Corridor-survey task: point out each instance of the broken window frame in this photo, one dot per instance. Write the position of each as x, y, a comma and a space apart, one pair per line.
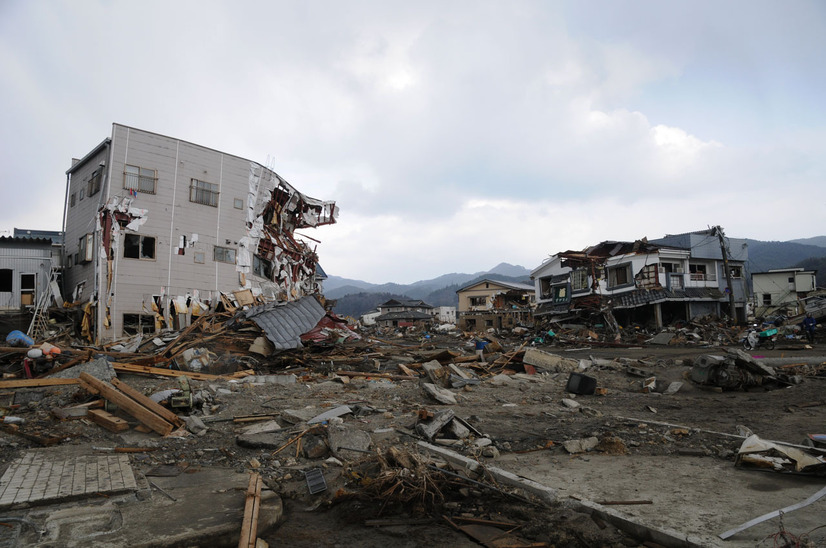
137, 323
139, 179
141, 244
222, 254
579, 280
617, 281
736, 271
261, 267
767, 299
204, 193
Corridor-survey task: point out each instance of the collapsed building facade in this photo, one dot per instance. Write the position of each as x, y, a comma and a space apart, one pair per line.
160, 230
656, 282
494, 304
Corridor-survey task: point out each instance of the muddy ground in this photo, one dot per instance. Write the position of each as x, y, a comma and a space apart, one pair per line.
524, 417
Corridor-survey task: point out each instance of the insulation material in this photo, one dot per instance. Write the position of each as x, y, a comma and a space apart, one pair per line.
180, 304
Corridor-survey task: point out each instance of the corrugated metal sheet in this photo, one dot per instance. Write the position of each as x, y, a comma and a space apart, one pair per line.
284, 323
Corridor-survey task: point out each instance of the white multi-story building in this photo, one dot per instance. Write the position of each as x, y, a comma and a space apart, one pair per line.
159, 230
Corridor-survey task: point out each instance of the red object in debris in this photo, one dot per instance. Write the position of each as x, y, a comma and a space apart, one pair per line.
321, 332
27, 362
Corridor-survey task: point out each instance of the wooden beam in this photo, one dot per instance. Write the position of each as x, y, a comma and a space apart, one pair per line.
128, 405
249, 527
153, 406
28, 383
147, 370
107, 420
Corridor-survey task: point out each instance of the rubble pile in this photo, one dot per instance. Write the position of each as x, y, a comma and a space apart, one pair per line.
327, 416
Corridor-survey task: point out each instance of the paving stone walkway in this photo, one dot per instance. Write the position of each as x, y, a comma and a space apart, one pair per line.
35, 477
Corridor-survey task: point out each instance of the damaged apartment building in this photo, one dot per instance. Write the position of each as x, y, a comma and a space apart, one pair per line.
159, 231
657, 282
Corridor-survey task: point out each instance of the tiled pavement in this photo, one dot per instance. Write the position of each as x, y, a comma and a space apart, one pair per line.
37, 478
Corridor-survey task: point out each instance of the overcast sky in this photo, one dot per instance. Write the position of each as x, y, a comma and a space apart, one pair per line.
453, 135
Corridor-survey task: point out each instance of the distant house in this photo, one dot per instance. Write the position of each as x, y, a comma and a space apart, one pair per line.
677, 277
26, 265
782, 289
494, 304
404, 313
445, 314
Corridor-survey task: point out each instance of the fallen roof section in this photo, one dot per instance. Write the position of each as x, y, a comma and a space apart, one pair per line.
284, 323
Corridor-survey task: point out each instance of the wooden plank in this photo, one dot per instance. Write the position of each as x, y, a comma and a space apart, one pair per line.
148, 370
128, 405
249, 526
29, 383
108, 420
156, 408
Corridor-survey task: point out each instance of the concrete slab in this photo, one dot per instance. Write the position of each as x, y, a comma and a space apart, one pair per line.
695, 496
40, 477
207, 510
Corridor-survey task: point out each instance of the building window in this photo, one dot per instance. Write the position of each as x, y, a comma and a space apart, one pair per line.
73, 199
224, 255
579, 280
238, 203
699, 273
203, 193
94, 182
619, 276
736, 271
136, 246
86, 247
261, 267
81, 195
139, 179
478, 301
134, 324
488, 323
767, 299
69, 261
675, 281
791, 282
544, 288
6, 280
199, 257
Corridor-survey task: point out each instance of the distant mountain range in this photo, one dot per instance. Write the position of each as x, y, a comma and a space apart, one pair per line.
355, 297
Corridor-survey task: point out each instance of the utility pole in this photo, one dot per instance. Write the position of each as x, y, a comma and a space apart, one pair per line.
723, 250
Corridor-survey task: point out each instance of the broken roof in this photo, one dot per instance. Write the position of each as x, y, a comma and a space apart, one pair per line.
284, 323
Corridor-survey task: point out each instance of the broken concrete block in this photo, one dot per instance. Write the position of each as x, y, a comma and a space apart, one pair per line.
195, 425
500, 380
348, 443
265, 427
314, 447
549, 361
570, 404
268, 440
673, 388
581, 445
441, 395
327, 415
457, 430
435, 425
294, 416
483, 442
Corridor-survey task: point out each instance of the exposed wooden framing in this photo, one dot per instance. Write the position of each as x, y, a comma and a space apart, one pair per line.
252, 505
128, 405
